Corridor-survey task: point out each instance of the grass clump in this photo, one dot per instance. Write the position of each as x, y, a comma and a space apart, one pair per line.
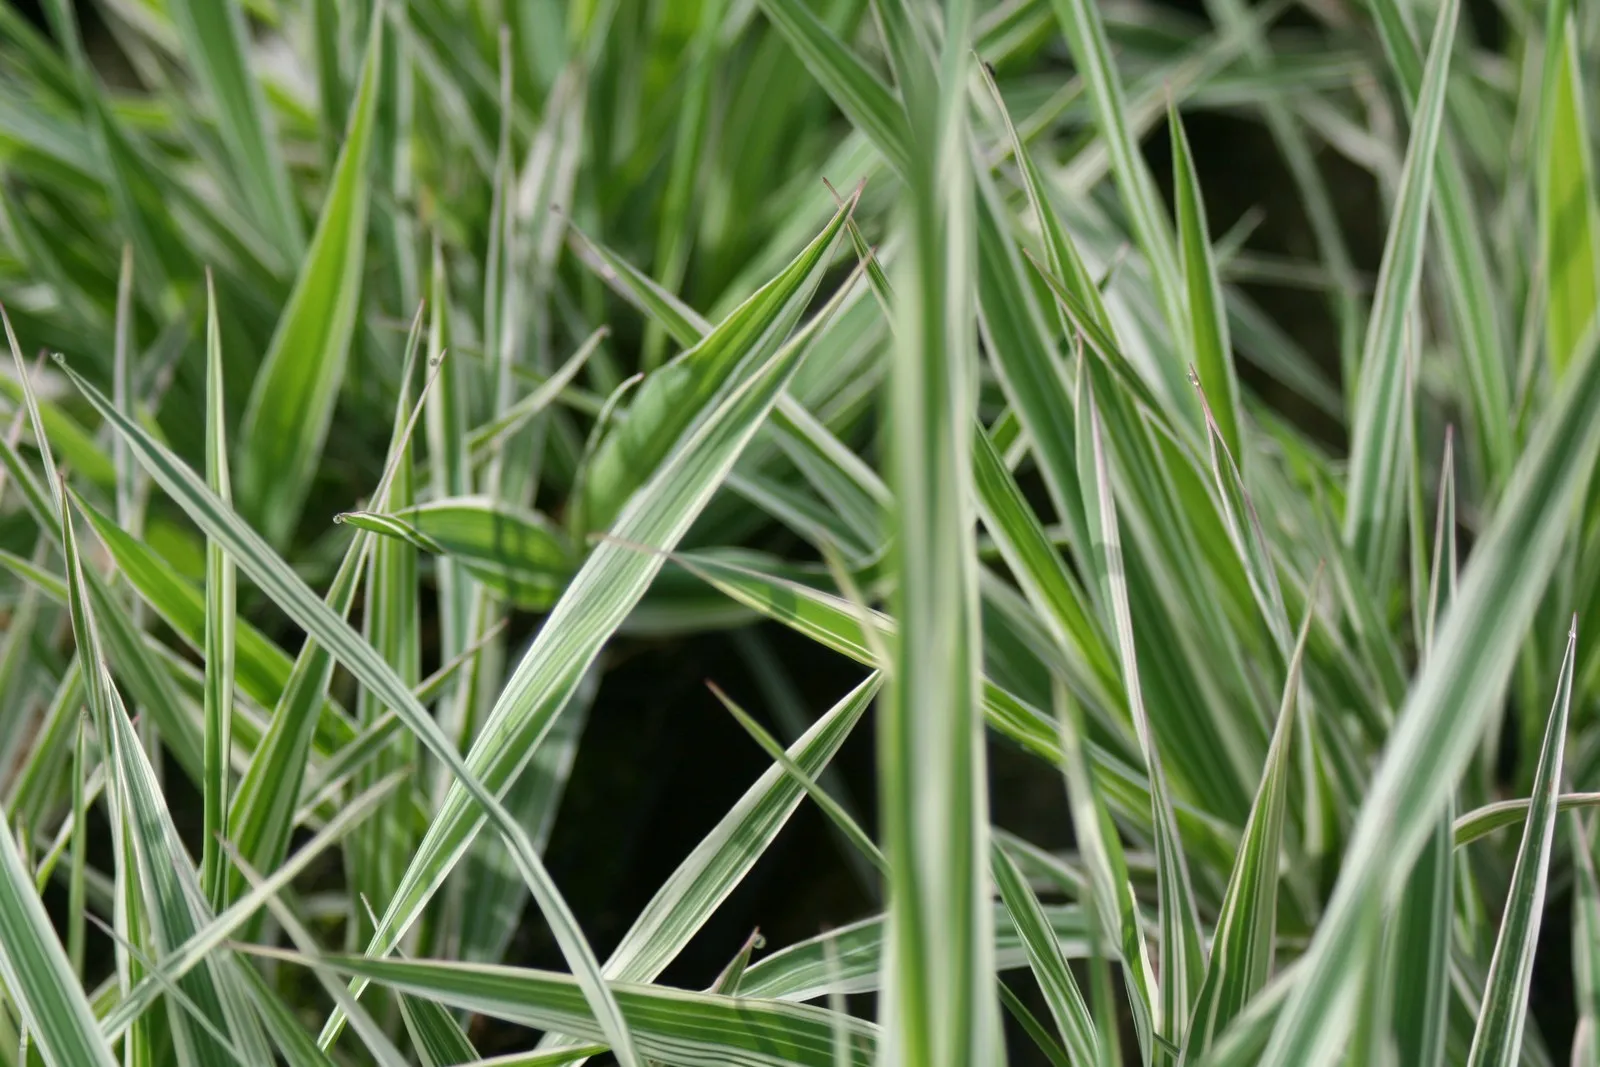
413, 359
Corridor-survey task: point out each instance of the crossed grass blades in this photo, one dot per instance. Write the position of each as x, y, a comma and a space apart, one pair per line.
559, 311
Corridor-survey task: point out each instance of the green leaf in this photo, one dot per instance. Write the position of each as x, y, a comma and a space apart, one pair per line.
149, 681
839, 625
163, 879
486, 439
376, 1039
685, 325
1481, 822
1497, 1041
842, 820
76, 890
206, 940
438, 1039
671, 399
671, 1025
865, 100
1044, 577
1091, 52
937, 1004
1444, 716
1049, 963
262, 669
77, 446
494, 897
849, 959
1473, 303
129, 504
36, 421
38, 978
392, 624
263, 810
287, 590
726, 854
293, 396
221, 612
1208, 343
298, 1049
1243, 945
1182, 958
1442, 572
450, 471
1374, 510
597, 600
1250, 544
517, 553
1115, 917
136, 190
1566, 198
1420, 953
1585, 942
214, 42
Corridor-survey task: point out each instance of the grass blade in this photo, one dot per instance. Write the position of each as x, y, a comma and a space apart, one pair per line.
842, 820
195, 951
80, 848
38, 977
1445, 713
596, 602
438, 1040
1566, 195
1182, 959
865, 100
938, 1004
1242, 949
298, 1049
262, 670
377, 1041
122, 393
1045, 578
1047, 960
214, 38
495, 897
1208, 343
40, 439
1497, 1041
484, 440
849, 958
1420, 954
1473, 304
672, 1025
263, 812
670, 399
219, 628
1481, 822
517, 553
1374, 509
169, 891
1086, 36
293, 396
392, 622
449, 467
289, 591
725, 855
1585, 939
